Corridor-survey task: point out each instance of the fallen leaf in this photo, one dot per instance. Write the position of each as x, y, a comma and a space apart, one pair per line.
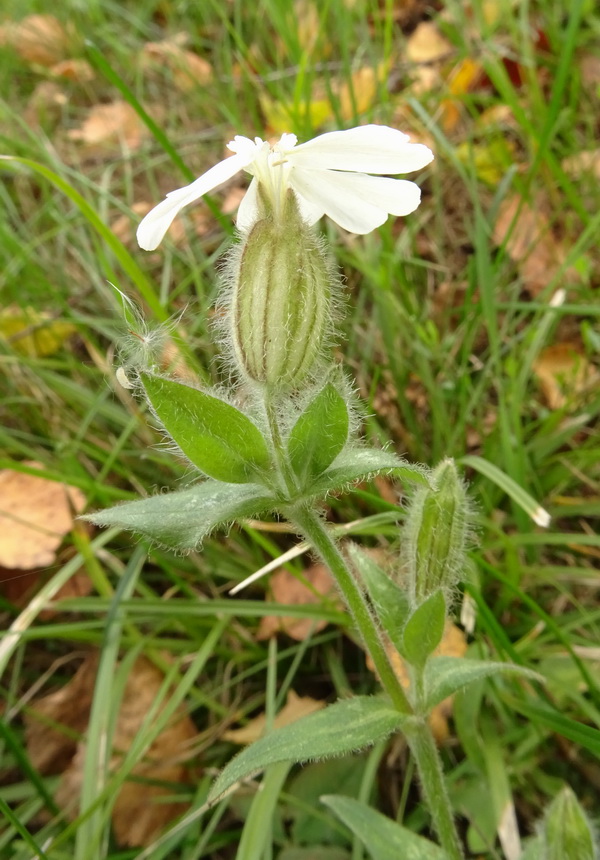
491, 159
589, 65
294, 708
45, 105
35, 515
55, 736
78, 71
108, 126
453, 644
586, 161
427, 45
188, 70
564, 374
308, 25
350, 98
531, 244
288, 589
463, 79
33, 333
37, 39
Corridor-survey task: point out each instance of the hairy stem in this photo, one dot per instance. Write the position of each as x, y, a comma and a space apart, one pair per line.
434, 789
309, 524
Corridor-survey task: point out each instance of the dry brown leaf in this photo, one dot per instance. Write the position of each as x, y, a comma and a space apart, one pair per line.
564, 374
453, 644
295, 708
188, 70
427, 45
140, 812
589, 65
308, 24
108, 126
530, 243
587, 161
79, 71
45, 104
39, 39
463, 79
35, 515
286, 588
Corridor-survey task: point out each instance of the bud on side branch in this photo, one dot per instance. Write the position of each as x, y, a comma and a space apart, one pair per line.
435, 534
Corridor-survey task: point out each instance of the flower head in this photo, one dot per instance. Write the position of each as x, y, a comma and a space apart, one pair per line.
329, 176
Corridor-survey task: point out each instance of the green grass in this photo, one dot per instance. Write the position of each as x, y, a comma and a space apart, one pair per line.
442, 337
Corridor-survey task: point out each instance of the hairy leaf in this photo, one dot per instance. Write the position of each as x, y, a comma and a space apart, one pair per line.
383, 838
319, 434
360, 464
216, 436
424, 629
344, 727
181, 520
445, 675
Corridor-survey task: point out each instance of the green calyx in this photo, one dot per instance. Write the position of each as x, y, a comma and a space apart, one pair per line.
435, 534
280, 303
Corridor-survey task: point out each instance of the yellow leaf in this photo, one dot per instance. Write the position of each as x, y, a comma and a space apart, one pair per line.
491, 160
32, 333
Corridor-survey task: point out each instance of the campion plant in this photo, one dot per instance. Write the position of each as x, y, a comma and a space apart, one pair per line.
283, 435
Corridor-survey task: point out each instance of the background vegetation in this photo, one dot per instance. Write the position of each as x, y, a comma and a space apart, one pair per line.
471, 333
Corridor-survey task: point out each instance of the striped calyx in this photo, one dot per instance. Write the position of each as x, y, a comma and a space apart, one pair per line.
279, 308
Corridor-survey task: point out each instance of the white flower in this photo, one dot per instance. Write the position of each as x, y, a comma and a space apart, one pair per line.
329, 175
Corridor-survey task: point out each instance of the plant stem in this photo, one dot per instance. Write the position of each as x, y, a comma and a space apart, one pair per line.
418, 733
280, 453
429, 766
309, 524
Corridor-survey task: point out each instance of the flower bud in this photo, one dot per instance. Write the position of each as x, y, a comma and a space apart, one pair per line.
279, 310
435, 534
567, 833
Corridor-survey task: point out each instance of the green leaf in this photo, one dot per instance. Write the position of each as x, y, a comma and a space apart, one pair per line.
445, 675
319, 434
389, 601
341, 728
424, 630
361, 464
214, 435
383, 838
181, 520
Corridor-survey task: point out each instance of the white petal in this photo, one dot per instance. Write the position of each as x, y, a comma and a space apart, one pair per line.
248, 210
153, 227
309, 210
368, 149
357, 202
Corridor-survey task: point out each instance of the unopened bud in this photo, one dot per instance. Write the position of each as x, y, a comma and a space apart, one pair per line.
435, 534
567, 832
279, 311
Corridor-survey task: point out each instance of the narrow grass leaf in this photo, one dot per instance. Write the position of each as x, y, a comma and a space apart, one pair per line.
383, 838
126, 261
25, 835
181, 520
364, 719
538, 514
585, 736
